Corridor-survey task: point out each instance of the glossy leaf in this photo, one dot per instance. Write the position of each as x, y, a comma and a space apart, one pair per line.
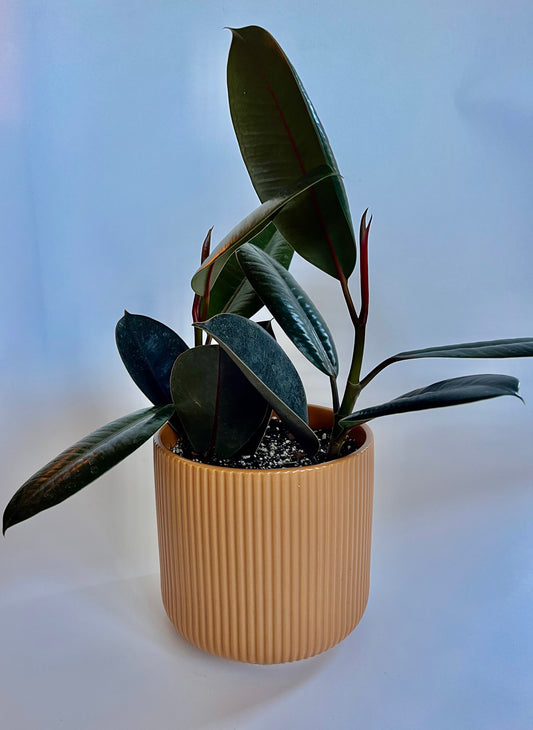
456, 391
517, 347
84, 462
268, 368
251, 226
291, 307
250, 447
148, 349
281, 138
232, 292
218, 408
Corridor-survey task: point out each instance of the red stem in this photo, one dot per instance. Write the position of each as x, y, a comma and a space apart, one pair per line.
363, 267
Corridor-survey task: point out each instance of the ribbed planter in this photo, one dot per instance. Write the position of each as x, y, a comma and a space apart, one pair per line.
265, 566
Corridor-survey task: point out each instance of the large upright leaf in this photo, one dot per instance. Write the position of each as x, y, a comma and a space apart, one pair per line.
84, 462
252, 225
281, 138
452, 392
148, 349
232, 292
268, 368
218, 408
291, 307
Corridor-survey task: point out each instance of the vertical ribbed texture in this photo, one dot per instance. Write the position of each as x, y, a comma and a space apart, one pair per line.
264, 566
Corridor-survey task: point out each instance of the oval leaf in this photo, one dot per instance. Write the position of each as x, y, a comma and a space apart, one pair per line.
291, 307
253, 224
84, 462
232, 293
218, 408
268, 368
452, 392
281, 138
148, 349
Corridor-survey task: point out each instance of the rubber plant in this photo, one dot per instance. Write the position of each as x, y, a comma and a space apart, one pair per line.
219, 394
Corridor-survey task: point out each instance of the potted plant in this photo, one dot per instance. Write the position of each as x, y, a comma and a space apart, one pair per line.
264, 505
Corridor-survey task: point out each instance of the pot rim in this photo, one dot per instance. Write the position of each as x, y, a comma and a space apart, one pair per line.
166, 435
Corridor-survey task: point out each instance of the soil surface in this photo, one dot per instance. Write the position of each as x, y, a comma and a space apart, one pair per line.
277, 450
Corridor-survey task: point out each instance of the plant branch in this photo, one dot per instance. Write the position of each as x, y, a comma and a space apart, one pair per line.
372, 374
348, 299
198, 337
363, 266
334, 394
353, 384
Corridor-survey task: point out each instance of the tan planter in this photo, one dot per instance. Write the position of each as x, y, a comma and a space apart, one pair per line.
265, 566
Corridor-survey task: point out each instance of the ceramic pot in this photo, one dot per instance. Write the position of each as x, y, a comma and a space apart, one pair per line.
265, 566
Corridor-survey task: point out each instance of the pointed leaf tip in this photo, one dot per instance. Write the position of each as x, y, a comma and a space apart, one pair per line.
206, 246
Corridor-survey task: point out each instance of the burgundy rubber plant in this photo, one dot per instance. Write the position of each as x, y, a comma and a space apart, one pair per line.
219, 395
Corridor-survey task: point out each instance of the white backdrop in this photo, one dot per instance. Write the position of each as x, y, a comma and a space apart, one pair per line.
117, 155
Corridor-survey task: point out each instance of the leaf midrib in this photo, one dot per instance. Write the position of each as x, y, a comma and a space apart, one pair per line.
78, 459
316, 206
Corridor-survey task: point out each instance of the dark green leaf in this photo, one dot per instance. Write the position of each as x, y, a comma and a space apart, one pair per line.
218, 408
232, 292
291, 307
466, 389
148, 349
269, 370
252, 225
517, 347
84, 462
281, 138
250, 447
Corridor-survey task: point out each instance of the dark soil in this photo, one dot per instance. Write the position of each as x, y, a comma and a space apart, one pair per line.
277, 450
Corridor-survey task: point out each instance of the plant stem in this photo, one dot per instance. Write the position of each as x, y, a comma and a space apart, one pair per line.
349, 301
372, 374
363, 266
334, 394
351, 392
353, 384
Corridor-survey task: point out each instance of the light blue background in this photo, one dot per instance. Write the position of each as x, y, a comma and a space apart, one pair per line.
117, 154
